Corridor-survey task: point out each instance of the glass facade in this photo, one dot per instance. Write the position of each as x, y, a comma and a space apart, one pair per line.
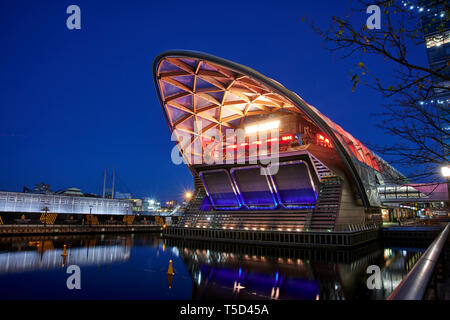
205, 97
436, 31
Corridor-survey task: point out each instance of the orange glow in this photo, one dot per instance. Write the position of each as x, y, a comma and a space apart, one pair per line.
287, 138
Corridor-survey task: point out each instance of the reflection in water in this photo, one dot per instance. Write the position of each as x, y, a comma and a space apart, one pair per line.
143, 266
45, 256
244, 272
397, 264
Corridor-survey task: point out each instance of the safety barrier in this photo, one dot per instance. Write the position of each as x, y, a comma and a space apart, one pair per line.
269, 237
69, 229
416, 281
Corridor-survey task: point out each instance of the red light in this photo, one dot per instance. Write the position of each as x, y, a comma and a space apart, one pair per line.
287, 138
326, 140
321, 137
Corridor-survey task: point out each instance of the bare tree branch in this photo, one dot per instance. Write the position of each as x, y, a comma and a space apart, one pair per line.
413, 115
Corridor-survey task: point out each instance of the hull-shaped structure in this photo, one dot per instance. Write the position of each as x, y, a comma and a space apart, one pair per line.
261, 157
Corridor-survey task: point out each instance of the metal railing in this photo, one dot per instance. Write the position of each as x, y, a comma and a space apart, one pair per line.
414, 285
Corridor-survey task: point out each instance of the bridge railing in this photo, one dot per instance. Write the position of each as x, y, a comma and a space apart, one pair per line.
414, 285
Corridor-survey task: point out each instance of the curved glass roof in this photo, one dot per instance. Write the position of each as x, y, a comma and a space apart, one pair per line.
200, 93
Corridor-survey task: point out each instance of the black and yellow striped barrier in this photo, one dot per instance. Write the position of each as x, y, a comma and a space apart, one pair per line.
159, 220
91, 219
128, 219
48, 218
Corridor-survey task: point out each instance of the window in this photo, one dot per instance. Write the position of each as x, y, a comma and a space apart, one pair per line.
437, 40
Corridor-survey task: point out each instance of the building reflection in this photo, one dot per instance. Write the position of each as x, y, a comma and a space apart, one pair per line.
221, 271
49, 253
241, 272
397, 263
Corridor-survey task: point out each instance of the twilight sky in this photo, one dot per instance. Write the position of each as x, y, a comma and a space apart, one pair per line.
73, 102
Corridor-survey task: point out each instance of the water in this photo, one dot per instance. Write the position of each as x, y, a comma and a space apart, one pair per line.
134, 266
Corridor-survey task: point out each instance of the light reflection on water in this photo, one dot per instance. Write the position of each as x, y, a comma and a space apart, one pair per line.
135, 267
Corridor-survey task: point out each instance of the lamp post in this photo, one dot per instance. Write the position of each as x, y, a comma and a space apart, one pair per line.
90, 215
45, 215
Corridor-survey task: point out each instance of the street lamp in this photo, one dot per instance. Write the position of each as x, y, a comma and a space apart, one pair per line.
90, 215
187, 198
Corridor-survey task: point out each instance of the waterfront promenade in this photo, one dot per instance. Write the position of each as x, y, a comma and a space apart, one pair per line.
76, 229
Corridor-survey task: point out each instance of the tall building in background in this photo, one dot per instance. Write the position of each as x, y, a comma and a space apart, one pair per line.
436, 30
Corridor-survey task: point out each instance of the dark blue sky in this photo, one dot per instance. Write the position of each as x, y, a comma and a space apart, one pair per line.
75, 101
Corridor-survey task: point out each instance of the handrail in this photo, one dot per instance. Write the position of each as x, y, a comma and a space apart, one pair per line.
413, 286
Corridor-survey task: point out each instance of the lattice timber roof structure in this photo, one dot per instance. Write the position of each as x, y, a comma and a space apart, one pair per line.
204, 97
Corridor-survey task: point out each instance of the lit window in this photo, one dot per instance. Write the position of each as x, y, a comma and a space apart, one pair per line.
437, 40
266, 126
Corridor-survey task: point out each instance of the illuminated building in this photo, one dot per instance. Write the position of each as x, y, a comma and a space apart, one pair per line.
151, 205
326, 178
436, 31
42, 188
17, 202
171, 203
137, 205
